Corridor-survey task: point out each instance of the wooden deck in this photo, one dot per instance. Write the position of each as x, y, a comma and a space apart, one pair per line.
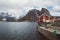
49, 33
50, 29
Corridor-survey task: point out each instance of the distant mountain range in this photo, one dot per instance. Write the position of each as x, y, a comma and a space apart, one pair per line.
32, 15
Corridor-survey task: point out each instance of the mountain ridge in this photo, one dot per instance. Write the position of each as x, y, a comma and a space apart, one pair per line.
31, 15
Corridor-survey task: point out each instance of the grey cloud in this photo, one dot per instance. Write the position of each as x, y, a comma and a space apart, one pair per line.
21, 7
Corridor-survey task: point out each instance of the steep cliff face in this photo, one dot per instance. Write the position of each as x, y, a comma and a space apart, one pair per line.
31, 15
44, 10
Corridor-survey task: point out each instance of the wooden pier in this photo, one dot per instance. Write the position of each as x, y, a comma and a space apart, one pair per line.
49, 33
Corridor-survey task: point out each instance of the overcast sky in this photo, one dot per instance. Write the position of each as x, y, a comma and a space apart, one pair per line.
21, 7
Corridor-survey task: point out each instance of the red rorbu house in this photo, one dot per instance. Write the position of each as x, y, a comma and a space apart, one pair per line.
46, 17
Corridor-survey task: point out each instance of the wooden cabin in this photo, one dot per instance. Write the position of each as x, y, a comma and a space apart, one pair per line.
46, 17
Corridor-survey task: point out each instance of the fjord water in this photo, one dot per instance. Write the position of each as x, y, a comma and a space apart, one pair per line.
19, 31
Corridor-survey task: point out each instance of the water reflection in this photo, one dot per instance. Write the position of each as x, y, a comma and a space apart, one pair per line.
19, 31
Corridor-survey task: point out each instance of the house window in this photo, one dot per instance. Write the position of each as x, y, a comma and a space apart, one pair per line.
43, 20
47, 21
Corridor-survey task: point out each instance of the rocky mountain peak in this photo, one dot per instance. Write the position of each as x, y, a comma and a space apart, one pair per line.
44, 10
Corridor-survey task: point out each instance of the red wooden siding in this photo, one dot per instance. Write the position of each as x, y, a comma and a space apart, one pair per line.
41, 18
46, 17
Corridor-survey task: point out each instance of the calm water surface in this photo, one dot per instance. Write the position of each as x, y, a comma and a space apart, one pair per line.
19, 31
